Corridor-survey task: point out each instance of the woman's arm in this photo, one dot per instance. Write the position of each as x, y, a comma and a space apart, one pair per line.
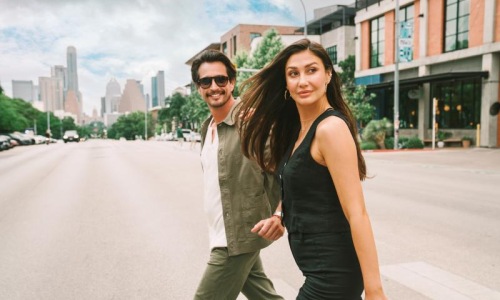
335, 148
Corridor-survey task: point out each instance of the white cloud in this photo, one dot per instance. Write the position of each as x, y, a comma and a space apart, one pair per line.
124, 39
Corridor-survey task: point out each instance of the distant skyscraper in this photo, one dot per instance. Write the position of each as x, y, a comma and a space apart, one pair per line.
23, 89
51, 93
132, 99
60, 72
72, 70
158, 90
72, 92
113, 95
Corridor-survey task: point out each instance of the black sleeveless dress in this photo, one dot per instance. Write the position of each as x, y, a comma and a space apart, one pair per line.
318, 231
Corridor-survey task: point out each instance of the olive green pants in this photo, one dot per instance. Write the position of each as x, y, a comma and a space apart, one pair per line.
226, 276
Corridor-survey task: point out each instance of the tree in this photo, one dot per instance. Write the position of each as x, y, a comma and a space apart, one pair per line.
130, 126
268, 48
355, 95
195, 110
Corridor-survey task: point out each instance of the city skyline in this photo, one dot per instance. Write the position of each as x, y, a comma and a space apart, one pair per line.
128, 39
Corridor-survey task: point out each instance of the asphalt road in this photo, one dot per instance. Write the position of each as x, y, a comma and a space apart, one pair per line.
124, 220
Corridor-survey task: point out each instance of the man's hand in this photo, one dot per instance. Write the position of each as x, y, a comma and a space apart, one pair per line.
270, 228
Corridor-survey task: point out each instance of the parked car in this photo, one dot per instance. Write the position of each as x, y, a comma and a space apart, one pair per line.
188, 135
71, 136
22, 139
5, 143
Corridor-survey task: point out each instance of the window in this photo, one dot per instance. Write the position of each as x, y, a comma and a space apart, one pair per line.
332, 52
459, 103
254, 35
224, 48
457, 25
377, 42
234, 45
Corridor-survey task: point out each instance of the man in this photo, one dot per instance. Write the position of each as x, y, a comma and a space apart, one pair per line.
180, 135
237, 194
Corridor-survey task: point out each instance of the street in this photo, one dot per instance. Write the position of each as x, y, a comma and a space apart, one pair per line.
109, 219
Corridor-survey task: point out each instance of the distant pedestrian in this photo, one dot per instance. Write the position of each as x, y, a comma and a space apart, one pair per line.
192, 137
180, 135
47, 136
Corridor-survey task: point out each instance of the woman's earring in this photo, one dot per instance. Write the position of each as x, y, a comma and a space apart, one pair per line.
285, 96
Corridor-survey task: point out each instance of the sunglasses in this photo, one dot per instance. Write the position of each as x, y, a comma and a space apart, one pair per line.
220, 80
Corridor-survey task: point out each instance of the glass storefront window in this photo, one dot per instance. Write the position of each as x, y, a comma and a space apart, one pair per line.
459, 103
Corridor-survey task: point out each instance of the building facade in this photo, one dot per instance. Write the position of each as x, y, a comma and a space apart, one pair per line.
158, 90
23, 89
240, 37
448, 63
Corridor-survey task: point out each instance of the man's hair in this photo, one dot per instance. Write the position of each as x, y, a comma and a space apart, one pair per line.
210, 56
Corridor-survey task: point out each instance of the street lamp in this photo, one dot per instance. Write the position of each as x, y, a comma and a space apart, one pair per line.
305, 19
396, 78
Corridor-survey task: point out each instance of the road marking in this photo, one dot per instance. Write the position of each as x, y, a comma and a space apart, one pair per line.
436, 283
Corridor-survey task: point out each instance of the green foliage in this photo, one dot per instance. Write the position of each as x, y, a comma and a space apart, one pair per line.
414, 143
404, 143
195, 111
368, 145
376, 131
129, 126
264, 53
16, 114
359, 103
443, 135
1, 90
348, 67
355, 95
468, 138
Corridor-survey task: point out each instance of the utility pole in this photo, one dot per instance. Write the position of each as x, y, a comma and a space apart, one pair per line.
305, 19
396, 78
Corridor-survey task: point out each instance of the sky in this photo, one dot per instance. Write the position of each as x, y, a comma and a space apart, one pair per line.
126, 39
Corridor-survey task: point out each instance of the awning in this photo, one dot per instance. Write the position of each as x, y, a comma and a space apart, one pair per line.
431, 78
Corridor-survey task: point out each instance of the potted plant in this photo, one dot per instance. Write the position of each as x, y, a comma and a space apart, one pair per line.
441, 136
466, 141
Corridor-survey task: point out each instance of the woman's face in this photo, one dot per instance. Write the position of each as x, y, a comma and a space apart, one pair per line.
306, 78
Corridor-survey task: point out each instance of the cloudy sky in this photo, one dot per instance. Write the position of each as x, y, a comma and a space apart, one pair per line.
126, 39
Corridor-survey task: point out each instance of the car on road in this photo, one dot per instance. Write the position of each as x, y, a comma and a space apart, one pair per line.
71, 136
189, 134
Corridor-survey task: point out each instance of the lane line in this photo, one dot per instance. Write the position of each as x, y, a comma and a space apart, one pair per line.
436, 283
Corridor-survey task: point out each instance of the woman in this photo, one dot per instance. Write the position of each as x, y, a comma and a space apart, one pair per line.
295, 104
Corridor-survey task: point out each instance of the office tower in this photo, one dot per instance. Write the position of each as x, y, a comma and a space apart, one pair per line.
113, 95
158, 89
23, 89
132, 98
60, 72
51, 93
72, 70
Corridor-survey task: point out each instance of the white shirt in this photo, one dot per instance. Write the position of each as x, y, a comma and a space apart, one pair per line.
211, 189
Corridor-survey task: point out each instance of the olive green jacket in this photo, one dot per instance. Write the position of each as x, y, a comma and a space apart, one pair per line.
248, 194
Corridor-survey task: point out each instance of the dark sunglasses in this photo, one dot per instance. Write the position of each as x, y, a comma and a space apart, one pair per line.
220, 80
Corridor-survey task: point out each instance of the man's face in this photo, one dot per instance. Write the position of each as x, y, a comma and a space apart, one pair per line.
215, 95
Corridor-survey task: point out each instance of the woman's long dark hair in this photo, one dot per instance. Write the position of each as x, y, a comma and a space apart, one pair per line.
266, 116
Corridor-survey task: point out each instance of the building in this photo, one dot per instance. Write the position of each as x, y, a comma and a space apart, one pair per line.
23, 89
113, 96
51, 93
335, 26
240, 37
72, 83
158, 90
132, 98
449, 54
